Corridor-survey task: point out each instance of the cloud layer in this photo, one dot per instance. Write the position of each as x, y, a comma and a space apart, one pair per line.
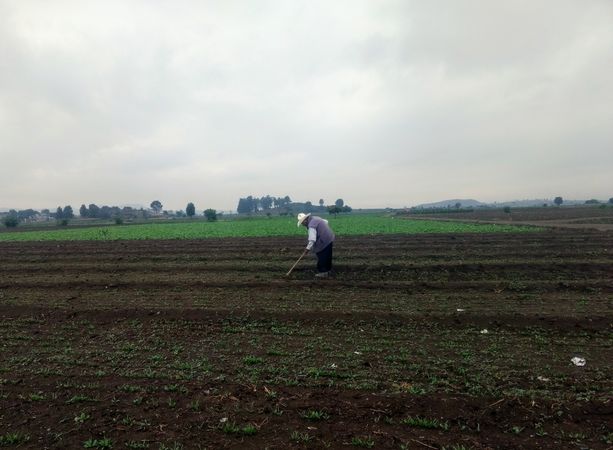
382, 103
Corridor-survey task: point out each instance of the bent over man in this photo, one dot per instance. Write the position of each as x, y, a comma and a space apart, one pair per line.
320, 240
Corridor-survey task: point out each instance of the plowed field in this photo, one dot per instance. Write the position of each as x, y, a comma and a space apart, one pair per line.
419, 341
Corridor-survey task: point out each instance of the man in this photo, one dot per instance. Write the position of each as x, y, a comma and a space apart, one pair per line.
320, 239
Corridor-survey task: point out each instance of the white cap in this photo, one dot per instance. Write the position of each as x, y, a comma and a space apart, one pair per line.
302, 217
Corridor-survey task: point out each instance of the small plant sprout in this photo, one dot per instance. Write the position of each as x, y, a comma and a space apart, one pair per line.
13, 439
314, 415
195, 405
252, 360
270, 393
102, 444
299, 437
424, 422
365, 442
82, 417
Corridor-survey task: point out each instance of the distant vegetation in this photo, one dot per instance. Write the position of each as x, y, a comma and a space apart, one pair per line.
261, 226
284, 206
252, 204
210, 214
190, 210
111, 212
10, 221
269, 206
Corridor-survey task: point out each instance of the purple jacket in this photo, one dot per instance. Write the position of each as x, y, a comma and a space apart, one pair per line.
325, 235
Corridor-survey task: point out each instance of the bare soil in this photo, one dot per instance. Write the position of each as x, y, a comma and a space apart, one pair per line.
206, 344
595, 217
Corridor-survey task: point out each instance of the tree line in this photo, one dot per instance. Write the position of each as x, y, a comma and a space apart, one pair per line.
283, 205
92, 211
254, 204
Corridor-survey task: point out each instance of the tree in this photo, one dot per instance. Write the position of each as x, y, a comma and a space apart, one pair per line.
507, 209
458, 205
321, 202
68, 213
266, 202
210, 214
611, 200
243, 206
105, 212
339, 203
280, 202
592, 201
62, 216
190, 210
308, 206
10, 221
333, 209
247, 205
26, 214
94, 210
558, 200
156, 205
127, 212
83, 212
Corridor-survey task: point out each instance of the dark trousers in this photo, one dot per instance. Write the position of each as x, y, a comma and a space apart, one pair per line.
324, 259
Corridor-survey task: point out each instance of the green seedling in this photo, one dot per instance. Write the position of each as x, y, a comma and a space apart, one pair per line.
314, 415
424, 422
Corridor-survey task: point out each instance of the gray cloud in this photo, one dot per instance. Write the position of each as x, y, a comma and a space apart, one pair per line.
385, 103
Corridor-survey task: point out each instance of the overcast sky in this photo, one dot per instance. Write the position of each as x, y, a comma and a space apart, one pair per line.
382, 103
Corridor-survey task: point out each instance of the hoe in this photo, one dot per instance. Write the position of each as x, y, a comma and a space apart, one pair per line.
296, 263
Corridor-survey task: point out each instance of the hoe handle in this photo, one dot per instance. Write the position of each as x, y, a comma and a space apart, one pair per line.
296, 263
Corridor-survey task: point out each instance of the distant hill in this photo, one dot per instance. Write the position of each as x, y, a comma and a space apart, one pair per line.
465, 203
471, 203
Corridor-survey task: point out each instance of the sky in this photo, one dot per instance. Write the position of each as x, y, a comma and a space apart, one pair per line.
381, 103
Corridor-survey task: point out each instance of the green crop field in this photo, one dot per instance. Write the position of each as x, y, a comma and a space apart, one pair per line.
278, 226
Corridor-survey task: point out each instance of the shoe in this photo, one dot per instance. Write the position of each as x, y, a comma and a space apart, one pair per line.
322, 275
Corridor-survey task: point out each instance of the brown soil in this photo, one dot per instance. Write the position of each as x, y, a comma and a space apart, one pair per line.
567, 217
166, 344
